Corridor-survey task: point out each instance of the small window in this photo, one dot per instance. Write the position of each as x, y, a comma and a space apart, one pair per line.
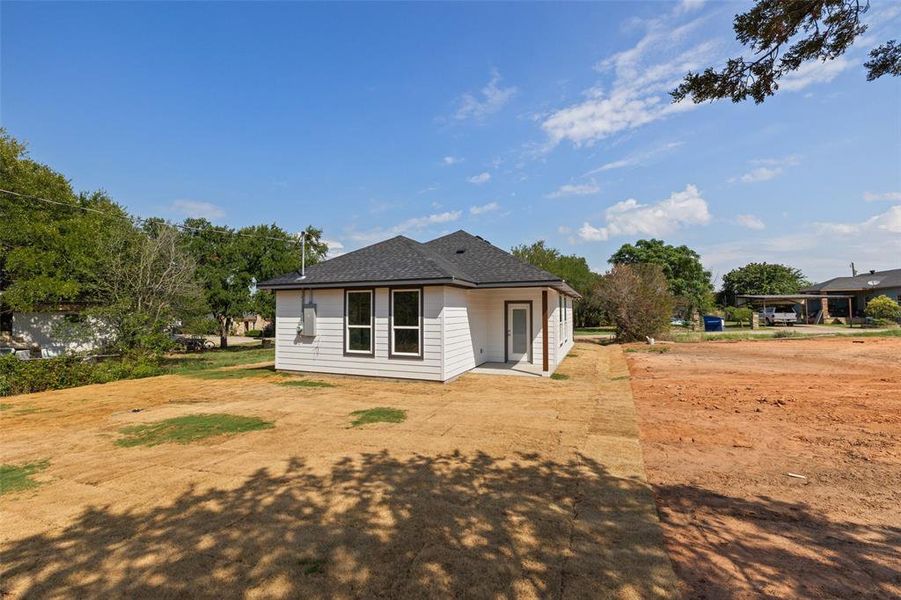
359, 322
563, 328
406, 322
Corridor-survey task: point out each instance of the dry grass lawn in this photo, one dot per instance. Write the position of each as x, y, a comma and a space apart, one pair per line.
492, 487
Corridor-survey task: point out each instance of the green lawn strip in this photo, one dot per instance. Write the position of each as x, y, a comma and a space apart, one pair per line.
15, 478
559, 376
653, 349
306, 383
215, 359
380, 414
232, 373
187, 429
620, 378
594, 330
5, 406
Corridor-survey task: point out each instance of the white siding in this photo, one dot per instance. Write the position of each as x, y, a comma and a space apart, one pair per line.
458, 332
470, 323
561, 339
324, 353
51, 332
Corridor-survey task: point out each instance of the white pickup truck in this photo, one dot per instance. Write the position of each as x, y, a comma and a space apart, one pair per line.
778, 316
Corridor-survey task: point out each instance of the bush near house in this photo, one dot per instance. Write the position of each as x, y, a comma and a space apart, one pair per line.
740, 315
253, 333
26, 376
638, 300
883, 309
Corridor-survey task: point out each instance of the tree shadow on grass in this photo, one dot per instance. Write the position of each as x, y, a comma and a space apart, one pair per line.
732, 547
375, 525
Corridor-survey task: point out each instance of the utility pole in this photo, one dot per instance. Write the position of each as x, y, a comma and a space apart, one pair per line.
853, 270
303, 254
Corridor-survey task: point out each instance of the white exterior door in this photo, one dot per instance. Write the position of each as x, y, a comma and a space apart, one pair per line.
517, 332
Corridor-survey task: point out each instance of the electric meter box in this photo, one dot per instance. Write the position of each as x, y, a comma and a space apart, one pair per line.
309, 320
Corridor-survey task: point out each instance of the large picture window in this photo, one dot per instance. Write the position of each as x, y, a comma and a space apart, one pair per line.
406, 322
358, 317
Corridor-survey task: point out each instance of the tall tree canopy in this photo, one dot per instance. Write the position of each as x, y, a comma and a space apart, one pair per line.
761, 278
572, 269
231, 262
783, 35
50, 252
689, 282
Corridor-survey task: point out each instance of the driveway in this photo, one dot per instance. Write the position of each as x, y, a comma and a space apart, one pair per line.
500, 487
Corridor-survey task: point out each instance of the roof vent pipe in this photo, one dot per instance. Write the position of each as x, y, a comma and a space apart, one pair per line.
872, 271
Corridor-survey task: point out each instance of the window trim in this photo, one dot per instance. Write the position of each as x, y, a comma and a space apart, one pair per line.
421, 327
347, 326
562, 308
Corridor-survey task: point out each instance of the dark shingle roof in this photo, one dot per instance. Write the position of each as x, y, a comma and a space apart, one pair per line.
864, 281
455, 258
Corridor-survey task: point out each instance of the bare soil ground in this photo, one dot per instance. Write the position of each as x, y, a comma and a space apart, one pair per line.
721, 426
493, 487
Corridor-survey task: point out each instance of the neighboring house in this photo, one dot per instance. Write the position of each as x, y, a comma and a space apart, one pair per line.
434, 310
59, 332
249, 322
862, 288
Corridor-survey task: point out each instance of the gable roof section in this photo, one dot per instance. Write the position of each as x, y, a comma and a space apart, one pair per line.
486, 264
459, 259
866, 281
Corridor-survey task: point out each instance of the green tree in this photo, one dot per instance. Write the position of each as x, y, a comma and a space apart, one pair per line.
761, 278
783, 35
638, 301
230, 263
49, 251
572, 269
883, 308
689, 282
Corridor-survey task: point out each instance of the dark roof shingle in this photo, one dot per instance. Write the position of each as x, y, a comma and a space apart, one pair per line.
458, 257
865, 281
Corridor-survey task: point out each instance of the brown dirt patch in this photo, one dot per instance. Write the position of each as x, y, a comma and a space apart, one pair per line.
493, 487
721, 425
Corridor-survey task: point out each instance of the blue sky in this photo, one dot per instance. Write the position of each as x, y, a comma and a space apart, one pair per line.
516, 122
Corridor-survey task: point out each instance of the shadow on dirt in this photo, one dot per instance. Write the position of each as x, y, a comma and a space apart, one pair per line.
374, 526
776, 549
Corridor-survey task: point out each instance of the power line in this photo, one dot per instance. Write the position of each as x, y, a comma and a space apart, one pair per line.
144, 220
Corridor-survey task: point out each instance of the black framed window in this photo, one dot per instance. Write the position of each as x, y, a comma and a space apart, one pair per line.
358, 319
406, 322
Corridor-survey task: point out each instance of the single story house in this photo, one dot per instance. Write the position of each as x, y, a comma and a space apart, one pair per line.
59, 331
434, 310
862, 288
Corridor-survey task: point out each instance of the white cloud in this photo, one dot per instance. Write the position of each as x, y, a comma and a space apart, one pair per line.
197, 209
629, 217
768, 168
889, 221
490, 100
485, 208
335, 248
451, 160
889, 196
750, 221
638, 96
760, 174
428, 188
480, 178
570, 189
813, 72
636, 159
686, 6
563, 229
410, 225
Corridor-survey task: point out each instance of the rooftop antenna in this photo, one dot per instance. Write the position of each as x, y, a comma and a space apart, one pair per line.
853, 270
303, 253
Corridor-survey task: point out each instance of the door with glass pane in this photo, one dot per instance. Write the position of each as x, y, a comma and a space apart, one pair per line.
517, 332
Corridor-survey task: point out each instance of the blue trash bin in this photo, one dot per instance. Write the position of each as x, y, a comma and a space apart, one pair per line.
713, 323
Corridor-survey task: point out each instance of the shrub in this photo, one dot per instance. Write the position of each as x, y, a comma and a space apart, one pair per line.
741, 315
883, 308
27, 376
638, 300
253, 333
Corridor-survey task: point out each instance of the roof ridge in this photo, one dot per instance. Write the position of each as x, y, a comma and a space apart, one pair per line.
440, 262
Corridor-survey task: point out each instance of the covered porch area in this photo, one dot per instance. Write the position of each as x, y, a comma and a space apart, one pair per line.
521, 369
